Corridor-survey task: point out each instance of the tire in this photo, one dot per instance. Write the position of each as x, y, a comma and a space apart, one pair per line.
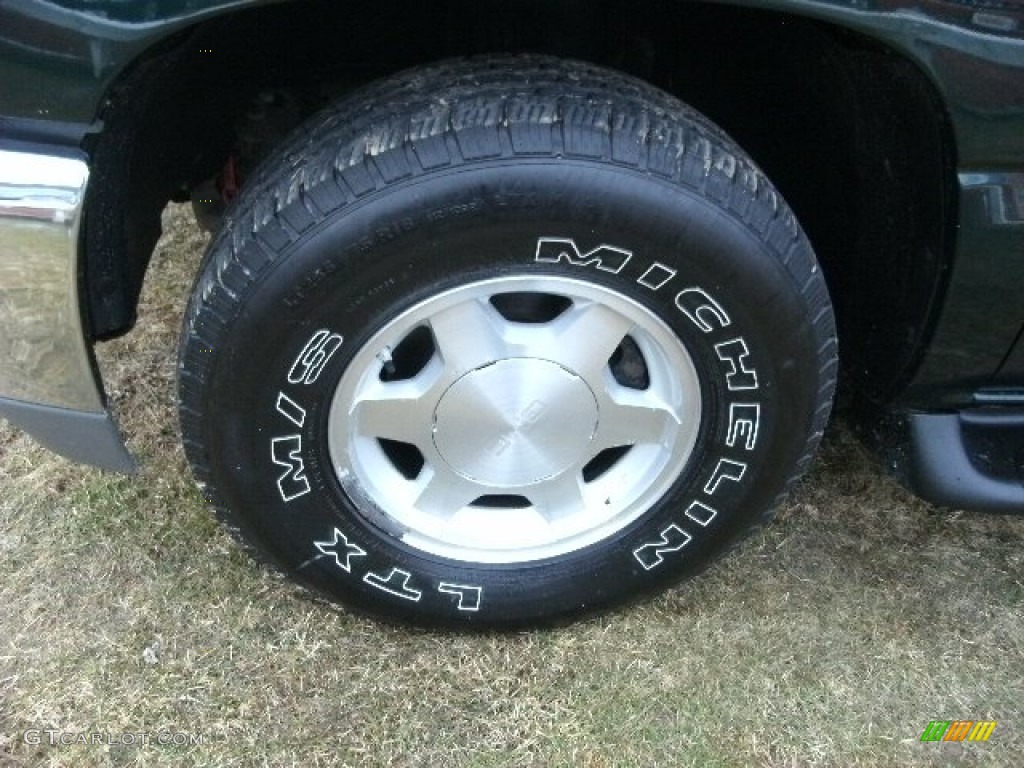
504, 341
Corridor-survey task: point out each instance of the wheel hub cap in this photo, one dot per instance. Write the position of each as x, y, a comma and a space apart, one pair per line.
514, 419
515, 422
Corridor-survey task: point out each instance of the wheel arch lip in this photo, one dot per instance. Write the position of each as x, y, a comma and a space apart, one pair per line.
49, 384
91, 48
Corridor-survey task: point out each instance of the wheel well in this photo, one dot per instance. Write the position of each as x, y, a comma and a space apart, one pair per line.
853, 134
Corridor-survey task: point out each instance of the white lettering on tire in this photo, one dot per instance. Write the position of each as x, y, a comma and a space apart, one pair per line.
606, 258
736, 355
727, 469
744, 422
394, 583
708, 316
469, 597
652, 554
287, 452
701, 513
702, 310
342, 549
310, 362
656, 276
291, 410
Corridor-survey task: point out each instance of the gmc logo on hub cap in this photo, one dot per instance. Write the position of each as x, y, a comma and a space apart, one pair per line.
530, 415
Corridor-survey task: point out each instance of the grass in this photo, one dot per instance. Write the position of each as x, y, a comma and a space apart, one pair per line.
829, 639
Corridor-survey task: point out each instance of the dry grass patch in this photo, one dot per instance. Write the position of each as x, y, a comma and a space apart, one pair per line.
831, 638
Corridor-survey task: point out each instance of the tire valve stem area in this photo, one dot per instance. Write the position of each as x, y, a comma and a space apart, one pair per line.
387, 361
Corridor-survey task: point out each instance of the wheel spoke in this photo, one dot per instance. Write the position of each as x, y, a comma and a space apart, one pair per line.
631, 417
583, 338
441, 492
398, 410
559, 497
468, 335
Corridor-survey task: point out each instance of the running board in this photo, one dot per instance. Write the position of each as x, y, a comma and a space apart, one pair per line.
973, 459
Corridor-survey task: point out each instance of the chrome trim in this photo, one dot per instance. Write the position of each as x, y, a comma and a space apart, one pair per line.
1001, 195
44, 357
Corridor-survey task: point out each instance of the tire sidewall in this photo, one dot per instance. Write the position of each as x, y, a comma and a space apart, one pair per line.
709, 277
